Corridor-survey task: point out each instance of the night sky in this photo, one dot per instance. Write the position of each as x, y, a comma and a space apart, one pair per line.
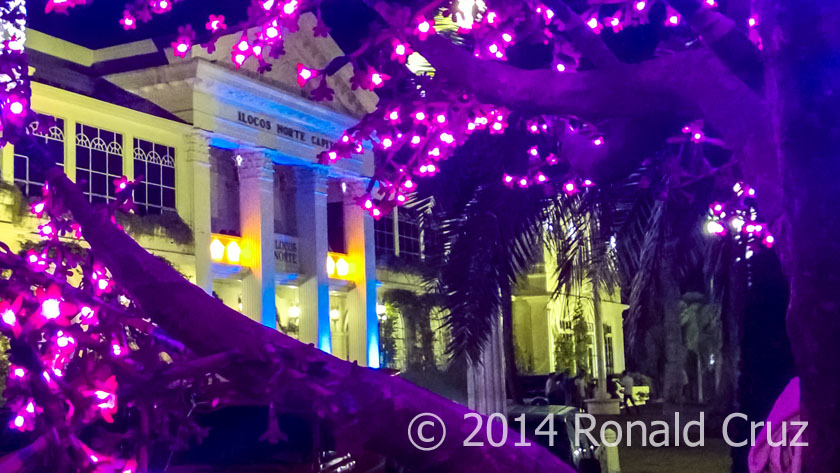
97, 25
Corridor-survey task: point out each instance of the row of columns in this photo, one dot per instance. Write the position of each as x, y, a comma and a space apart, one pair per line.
256, 203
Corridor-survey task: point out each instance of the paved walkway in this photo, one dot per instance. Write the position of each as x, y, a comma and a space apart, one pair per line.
713, 457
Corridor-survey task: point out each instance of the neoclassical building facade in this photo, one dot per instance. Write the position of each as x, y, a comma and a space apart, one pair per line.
232, 194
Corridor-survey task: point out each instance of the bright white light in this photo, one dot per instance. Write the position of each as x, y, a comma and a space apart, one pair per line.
233, 252
294, 312
342, 268
217, 250
714, 227
51, 308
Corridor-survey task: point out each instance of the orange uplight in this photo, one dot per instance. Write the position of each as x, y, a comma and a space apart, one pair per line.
226, 249
338, 266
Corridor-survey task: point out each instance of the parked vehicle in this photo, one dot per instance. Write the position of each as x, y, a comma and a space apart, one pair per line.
581, 457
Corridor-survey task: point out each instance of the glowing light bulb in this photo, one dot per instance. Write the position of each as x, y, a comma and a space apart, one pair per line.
420, 116
51, 309
9, 317
376, 79
294, 312
386, 143
217, 250
641, 5
400, 50
16, 107
560, 68
507, 37
233, 252
715, 228
592, 23
541, 177
598, 141
181, 48
342, 267
290, 7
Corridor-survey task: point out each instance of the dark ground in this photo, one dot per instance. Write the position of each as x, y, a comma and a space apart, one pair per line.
712, 458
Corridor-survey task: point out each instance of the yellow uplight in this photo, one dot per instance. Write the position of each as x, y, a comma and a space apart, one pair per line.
339, 266
342, 267
217, 250
227, 249
233, 252
330, 266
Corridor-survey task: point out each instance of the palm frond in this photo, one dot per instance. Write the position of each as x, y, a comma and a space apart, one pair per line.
492, 243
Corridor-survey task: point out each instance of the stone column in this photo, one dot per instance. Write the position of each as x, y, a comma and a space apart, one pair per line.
486, 381
198, 166
314, 290
361, 301
256, 209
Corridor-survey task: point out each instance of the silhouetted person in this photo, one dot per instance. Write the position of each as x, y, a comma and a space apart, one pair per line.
628, 383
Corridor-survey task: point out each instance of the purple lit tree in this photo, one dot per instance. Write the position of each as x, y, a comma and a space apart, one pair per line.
758, 78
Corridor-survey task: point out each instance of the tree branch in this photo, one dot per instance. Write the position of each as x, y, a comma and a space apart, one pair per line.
372, 410
729, 43
582, 37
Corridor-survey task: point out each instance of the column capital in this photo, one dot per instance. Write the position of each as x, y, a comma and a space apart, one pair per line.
198, 146
255, 165
355, 186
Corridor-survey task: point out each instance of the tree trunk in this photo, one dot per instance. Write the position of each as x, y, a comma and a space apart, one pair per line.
675, 353
511, 372
732, 310
803, 78
700, 363
412, 357
372, 411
